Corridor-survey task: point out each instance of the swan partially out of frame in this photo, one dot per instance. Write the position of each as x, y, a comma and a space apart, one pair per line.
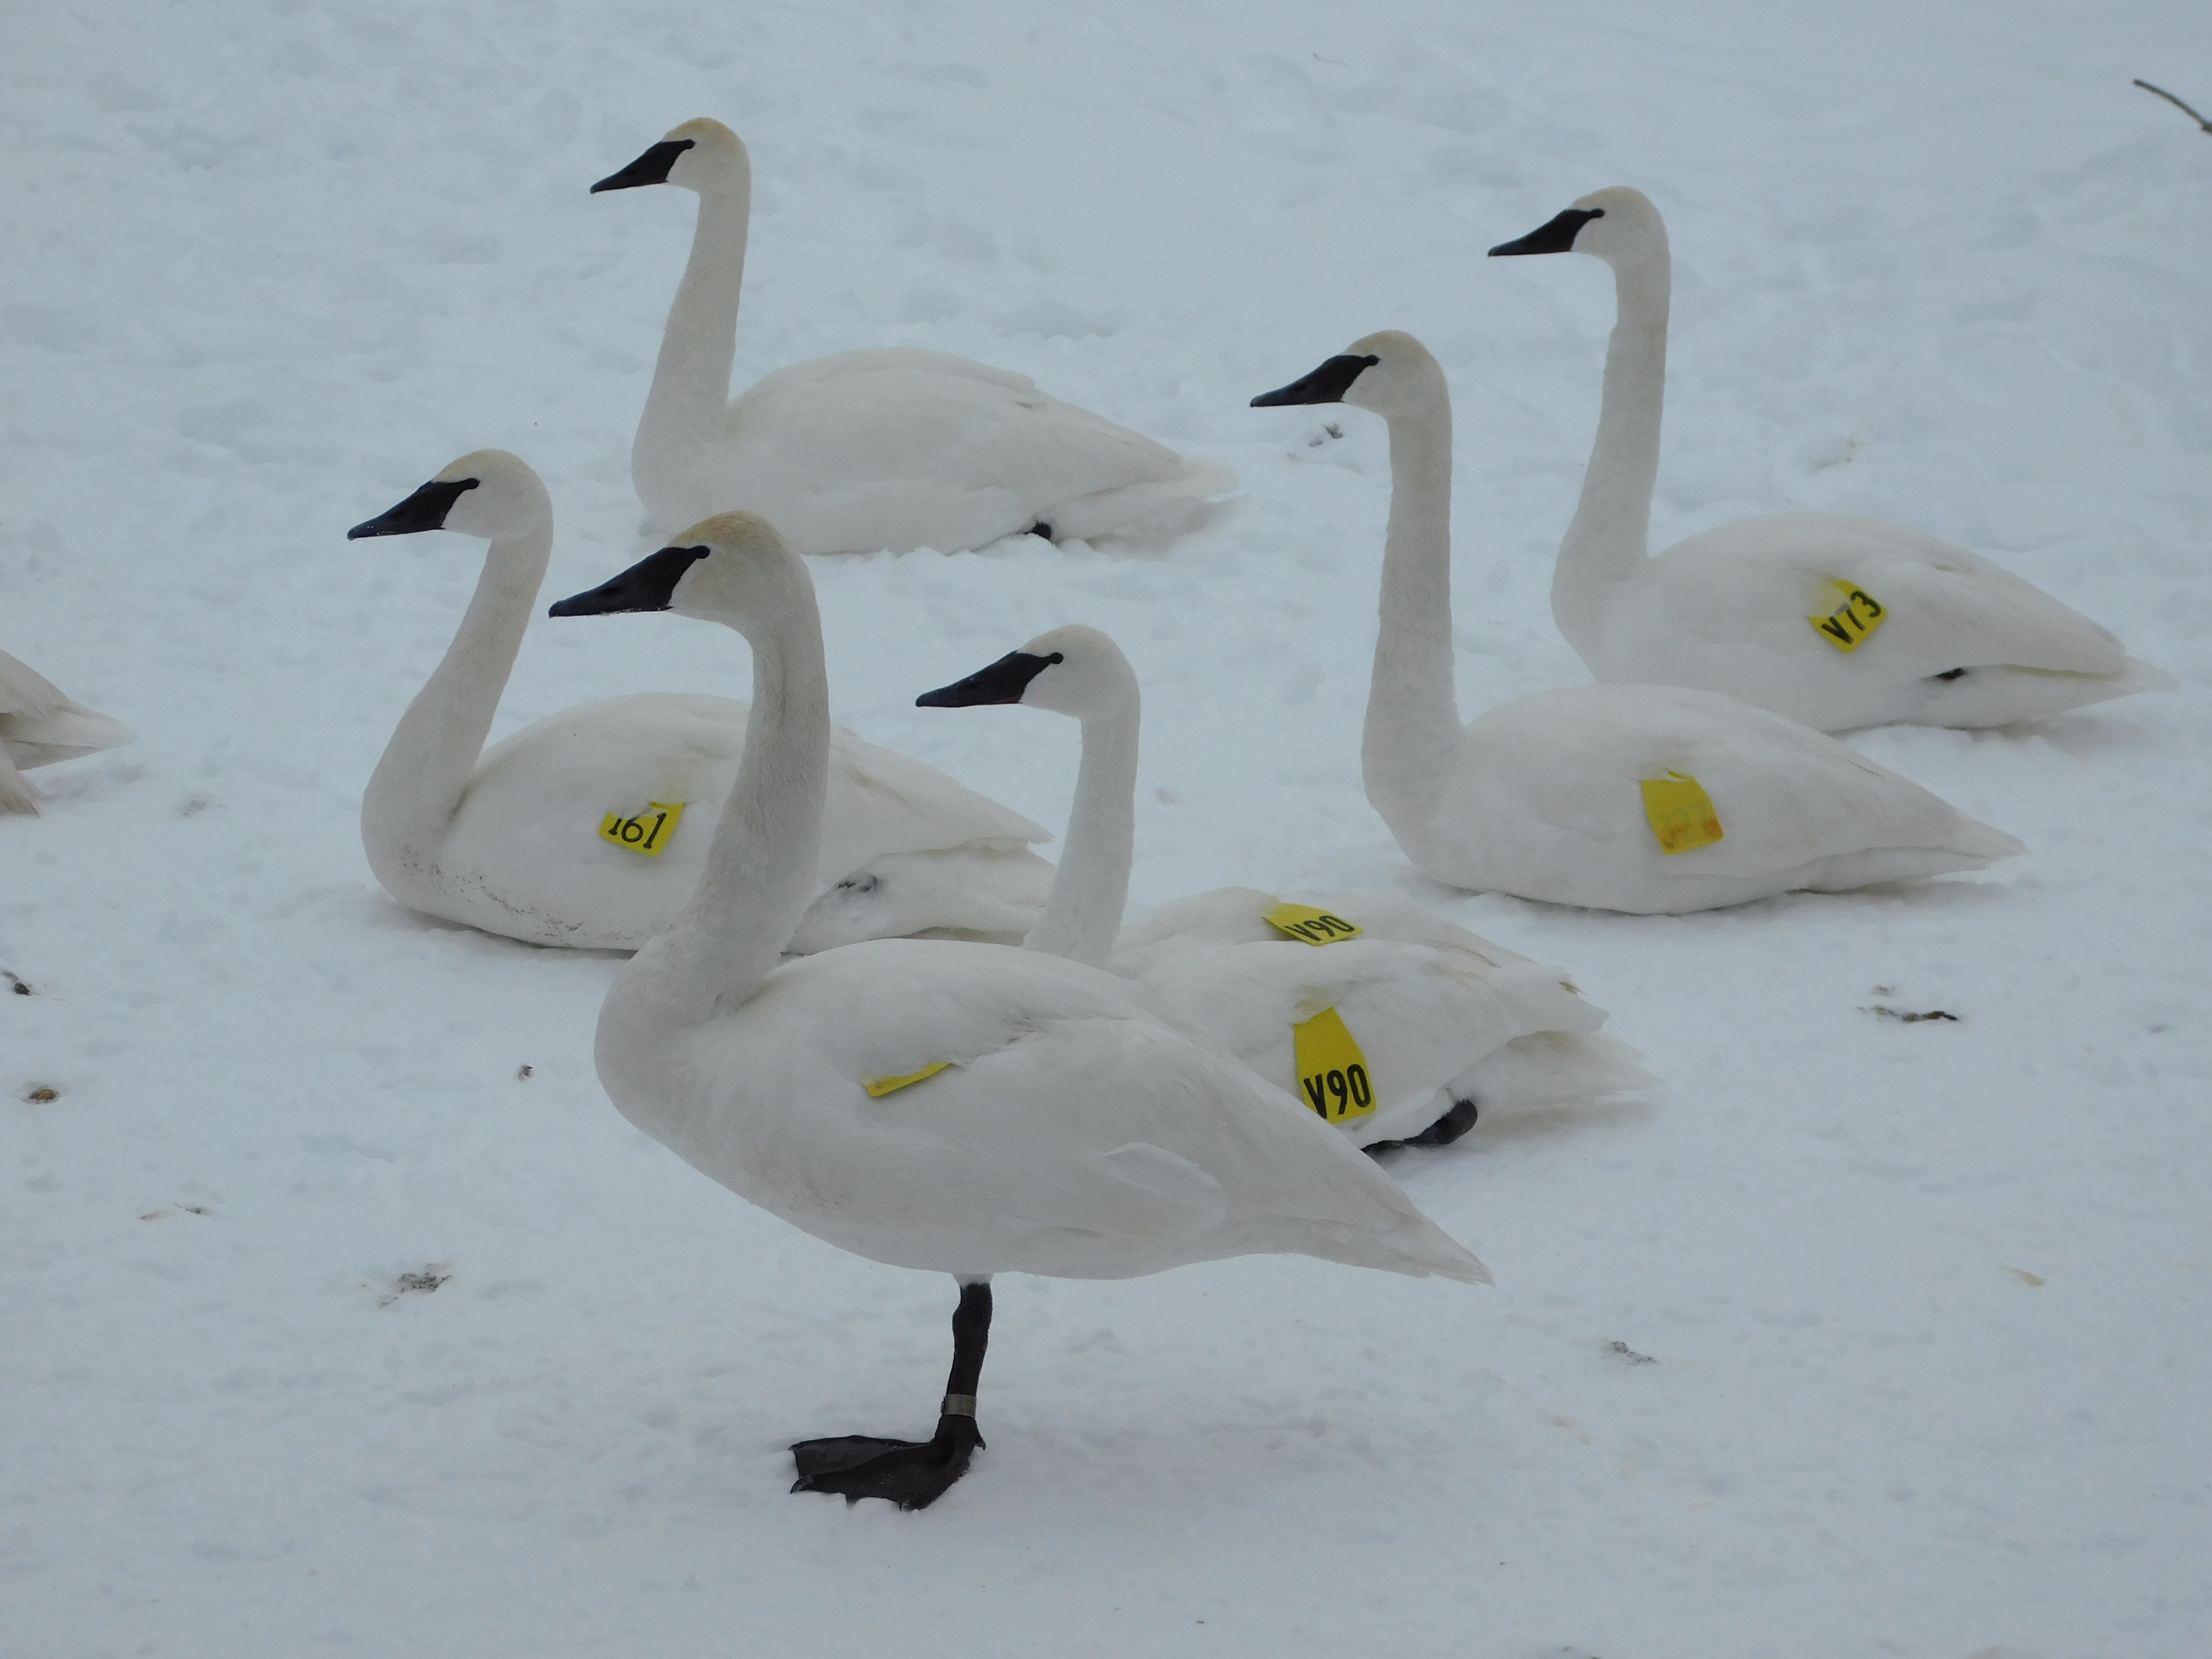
1644, 799
956, 1107
892, 447
590, 828
1440, 1025
41, 724
1834, 620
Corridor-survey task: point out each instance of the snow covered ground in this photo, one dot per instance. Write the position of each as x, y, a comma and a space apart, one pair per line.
1925, 1305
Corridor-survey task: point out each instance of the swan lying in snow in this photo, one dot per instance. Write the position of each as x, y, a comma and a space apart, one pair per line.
1437, 1023
1640, 798
40, 724
574, 830
895, 448
958, 1108
1833, 620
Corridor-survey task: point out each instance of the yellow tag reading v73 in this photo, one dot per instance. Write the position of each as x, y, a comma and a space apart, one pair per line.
1310, 927
1847, 627
648, 832
1331, 1069
880, 1086
1681, 813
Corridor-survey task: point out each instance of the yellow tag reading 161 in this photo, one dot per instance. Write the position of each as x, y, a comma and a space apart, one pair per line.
648, 832
880, 1086
1331, 1069
1847, 627
1310, 927
1681, 813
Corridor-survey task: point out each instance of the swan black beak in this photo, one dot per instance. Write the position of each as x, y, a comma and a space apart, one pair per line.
425, 509
1326, 385
1555, 236
1004, 681
648, 585
650, 169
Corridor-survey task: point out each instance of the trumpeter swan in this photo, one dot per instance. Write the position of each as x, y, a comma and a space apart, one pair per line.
41, 724
1833, 620
953, 1107
590, 827
894, 447
1637, 798
1382, 1019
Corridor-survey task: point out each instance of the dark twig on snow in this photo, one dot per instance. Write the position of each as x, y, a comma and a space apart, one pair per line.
2177, 104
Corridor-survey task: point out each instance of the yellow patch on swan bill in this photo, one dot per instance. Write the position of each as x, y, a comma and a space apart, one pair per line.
1850, 623
648, 832
1332, 1071
880, 1086
1310, 927
1681, 813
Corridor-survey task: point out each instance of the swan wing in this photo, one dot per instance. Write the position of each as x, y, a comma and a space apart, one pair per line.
1072, 1131
1759, 582
25, 692
901, 449
1548, 791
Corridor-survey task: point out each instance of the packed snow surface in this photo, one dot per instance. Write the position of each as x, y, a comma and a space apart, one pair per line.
343, 1313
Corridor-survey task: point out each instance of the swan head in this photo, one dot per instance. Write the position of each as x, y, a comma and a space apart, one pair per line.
731, 568
697, 155
1388, 373
487, 494
1074, 670
1617, 225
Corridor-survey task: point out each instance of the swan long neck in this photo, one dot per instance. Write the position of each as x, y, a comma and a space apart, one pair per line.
1609, 539
686, 411
1413, 713
1090, 890
417, 787
760, 873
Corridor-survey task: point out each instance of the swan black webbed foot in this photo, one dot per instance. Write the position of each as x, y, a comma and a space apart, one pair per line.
911, 1474
1444, 1131
1041, 530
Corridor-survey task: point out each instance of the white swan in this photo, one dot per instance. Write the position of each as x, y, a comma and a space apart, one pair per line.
590, 828
1565, 795
953, 1107
1833, 620
1440, 1023
895, 448
40, 724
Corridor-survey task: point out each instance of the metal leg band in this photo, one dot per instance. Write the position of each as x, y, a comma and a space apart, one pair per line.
957, 1405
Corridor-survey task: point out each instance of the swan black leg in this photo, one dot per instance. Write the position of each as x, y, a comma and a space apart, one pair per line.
911, 1474
1444, 1131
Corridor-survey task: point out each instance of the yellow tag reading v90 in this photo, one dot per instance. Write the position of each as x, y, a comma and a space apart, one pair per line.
1681, 813
1847, 627
880, 1086
1310, 927
648, 832
1331, 1069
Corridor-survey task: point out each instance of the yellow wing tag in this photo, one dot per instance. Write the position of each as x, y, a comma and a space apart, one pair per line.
1331, 1069
648, 832
1310, 927
1681, 813
1847, 627
880, 1086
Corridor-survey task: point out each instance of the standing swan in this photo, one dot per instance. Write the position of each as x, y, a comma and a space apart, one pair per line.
895, 448
1646, 799
956, 1107
40, 724
575, 831
1833, 620
1442, 1023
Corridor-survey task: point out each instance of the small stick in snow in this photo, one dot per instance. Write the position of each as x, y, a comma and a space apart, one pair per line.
2177, 103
